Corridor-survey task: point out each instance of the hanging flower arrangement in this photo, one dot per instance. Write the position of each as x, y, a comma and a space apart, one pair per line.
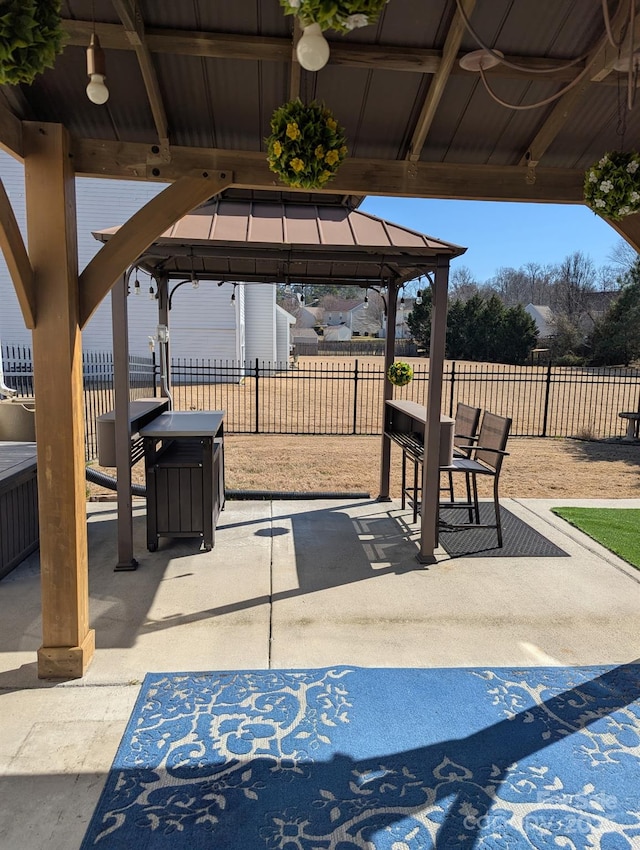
612, 185
306, 145
400, 373
341, 15
30, 38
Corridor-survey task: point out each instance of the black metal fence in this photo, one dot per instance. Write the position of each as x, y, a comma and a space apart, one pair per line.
97, 373
336, 398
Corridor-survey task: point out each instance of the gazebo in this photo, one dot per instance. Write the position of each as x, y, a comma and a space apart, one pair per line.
276, 241
449, 99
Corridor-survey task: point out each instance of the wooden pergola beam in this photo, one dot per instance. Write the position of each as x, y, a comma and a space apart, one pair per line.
209, 45
131, 17
140, 231
18, 263
439, 82
100, 158
629, 229
599, 65
10, 132
67, 640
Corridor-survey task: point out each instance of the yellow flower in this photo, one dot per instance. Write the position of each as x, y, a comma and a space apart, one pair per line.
297, 164
277, 148
293, 132
332, 124
343, 150
332, 157
326, 175
319, 152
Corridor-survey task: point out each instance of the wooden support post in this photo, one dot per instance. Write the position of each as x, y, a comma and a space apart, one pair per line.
431, 464
389, 354
164, 353
67, 641
120, 329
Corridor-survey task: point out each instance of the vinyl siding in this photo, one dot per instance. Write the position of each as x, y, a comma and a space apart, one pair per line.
203, 322
260, 318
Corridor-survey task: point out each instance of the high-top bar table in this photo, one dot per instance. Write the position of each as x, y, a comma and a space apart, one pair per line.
404, 423
185, 475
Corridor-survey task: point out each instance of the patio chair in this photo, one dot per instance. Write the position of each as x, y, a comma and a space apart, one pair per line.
485, 458
465, 434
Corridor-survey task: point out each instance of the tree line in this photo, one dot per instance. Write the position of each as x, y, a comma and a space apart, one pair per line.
595, 312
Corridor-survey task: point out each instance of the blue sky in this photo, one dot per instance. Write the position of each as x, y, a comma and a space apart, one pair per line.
503, 234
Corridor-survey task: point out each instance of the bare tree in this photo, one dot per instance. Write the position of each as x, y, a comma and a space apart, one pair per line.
463, 285
575, 279
623, 257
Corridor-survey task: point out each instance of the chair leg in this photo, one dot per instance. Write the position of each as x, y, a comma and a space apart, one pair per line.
403, 497
469, 503
451, 494
415, 490
476, 503
497, 509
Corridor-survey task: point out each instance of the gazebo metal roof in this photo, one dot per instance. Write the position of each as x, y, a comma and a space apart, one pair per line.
279, 242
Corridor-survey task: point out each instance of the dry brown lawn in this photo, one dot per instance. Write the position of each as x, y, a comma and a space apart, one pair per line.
535, 468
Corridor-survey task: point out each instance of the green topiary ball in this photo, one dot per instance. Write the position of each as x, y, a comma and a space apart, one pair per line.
400, 373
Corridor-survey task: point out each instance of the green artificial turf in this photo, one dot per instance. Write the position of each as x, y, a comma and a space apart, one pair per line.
616, 528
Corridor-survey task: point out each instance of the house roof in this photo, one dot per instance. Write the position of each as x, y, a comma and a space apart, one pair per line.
274, 242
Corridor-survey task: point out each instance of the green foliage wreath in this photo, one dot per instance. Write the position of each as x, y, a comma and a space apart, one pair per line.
612, 185
341, 15
306, 145
30, 38
400, 373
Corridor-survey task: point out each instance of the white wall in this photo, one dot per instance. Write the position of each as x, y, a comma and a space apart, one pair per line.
203, 322
284, 323
260, 318
100, 204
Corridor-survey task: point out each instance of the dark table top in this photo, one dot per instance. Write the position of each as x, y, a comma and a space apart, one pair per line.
15, 458
184, 423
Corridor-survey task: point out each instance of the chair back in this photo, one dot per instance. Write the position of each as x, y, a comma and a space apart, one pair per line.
494, 433
466, 426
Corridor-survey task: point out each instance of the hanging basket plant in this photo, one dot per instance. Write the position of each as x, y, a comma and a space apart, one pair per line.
612, 185
340, 15
306, 145
400, 373
30, 38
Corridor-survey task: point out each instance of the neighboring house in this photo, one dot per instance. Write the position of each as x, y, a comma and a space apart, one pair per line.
544, 319
204, 323
309, 317
305, 341
337, 333
364, 321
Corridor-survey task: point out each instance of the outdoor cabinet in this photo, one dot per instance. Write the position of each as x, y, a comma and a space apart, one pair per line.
184, 464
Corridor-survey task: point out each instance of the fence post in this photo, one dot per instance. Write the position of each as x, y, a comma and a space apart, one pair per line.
451, 389
546, 401
257, 427
355, 397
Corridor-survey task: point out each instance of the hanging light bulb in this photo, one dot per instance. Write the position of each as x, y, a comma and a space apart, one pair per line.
302, 297
313, 48
152, 294
365, 305
419, 297
402, 300
136, 287
97, 92
195, 283
233, 294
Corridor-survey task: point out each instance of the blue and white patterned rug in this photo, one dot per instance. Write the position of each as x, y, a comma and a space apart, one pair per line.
396, 759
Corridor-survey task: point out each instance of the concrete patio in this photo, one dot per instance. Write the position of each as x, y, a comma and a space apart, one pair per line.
289, 584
